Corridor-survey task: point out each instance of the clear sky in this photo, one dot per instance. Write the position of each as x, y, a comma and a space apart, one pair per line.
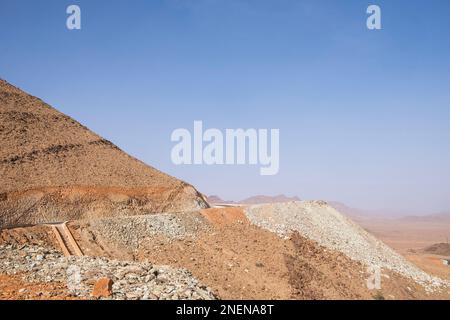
364, 116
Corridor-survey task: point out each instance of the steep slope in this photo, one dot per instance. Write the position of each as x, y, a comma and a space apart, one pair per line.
318, 221
227, 253
52, 168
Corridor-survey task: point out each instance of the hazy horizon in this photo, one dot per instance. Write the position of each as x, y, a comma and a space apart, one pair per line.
363, 115
380, 212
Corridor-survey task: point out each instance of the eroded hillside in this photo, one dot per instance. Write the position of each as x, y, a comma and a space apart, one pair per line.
53, 168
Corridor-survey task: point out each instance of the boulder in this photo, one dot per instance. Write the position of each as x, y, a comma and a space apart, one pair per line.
102, 288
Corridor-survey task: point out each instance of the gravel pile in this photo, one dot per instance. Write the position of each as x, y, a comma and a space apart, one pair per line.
132, 231
320, 222
131, 280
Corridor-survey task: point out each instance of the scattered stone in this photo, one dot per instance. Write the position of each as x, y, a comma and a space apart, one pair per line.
318, 221
97, 277
130, 232
102, 288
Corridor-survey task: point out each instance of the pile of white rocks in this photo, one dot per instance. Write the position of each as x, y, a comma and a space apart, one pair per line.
130, 232
130, 280
320, 222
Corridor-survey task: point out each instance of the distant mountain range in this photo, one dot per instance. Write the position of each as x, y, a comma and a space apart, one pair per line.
258, 199
443, 217
361, 214
356, 214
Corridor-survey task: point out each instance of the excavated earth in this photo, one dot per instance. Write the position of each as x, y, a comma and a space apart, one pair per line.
231, 257
53, 169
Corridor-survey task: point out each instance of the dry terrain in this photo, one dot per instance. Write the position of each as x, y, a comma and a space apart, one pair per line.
53, 168
421, 239
412, 236
404, 235
133, 232
228, 252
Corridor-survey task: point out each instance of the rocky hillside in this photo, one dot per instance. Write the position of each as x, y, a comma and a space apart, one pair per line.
302, 250
318, 221
53, 168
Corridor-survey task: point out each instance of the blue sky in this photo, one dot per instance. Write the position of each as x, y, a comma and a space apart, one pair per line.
363, 115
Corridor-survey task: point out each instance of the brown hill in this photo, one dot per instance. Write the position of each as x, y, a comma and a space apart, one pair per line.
215, 199
52, 168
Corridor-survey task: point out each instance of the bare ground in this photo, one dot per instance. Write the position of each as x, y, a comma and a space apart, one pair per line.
236, 259
15, 288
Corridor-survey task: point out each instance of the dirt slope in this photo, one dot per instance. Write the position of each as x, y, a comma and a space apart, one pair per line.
52, 168
232, 256
318, 221
224, 250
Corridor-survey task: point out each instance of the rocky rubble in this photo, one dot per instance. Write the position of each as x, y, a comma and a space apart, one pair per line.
130, 280
320, 222
132, 231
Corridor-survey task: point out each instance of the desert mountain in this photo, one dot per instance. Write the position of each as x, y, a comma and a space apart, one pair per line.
268, 199
353, 213
52, 168
437, 218
215, 199
258, 199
